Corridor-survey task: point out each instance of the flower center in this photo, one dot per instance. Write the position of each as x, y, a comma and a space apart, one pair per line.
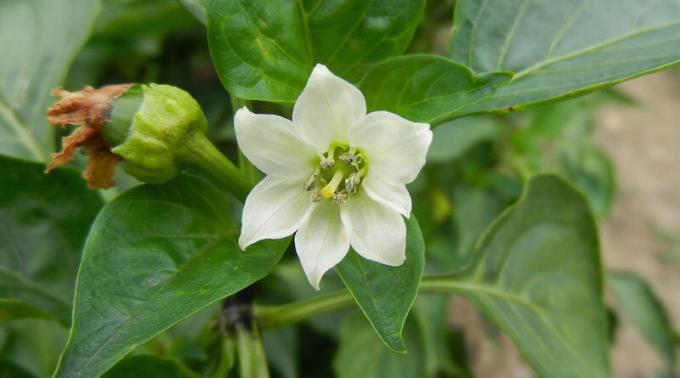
338, 175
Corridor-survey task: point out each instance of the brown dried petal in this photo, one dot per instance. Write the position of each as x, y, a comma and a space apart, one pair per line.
88, 109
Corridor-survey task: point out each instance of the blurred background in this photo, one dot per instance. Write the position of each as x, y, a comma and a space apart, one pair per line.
620, 147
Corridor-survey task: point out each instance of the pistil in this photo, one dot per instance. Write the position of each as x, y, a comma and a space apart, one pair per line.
328, 190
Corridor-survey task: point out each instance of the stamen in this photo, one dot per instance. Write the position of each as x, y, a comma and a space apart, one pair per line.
352, 182
328, 190
340, 198
316, 196
310, 182
347, 158
327, 160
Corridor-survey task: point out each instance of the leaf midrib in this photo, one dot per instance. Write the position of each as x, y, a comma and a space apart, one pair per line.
27, 139
592, 48
209, 246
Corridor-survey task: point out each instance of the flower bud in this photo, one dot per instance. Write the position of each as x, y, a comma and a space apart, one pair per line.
166, 122
156, 130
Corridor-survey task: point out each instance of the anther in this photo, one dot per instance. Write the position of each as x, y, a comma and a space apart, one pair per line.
308, 185
316, 196
326, 162
352, 182
347, 158
340, 198
328, 190
310, 182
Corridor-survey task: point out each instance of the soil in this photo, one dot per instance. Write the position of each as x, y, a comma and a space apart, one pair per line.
642, 234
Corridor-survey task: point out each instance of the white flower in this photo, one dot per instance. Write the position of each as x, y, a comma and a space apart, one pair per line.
335, 174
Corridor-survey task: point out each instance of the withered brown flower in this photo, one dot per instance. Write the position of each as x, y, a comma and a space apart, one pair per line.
88, 109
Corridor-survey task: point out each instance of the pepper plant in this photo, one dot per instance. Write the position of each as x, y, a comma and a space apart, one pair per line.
303, 194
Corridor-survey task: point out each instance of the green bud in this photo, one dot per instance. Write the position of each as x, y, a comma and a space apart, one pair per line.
155, 130
167, 122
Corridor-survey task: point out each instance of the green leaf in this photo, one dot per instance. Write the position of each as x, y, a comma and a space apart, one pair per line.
426, 88
33, 345
265, 49
432, 316
39, 40
592, 172
452, 139
361, 354
156, 255
525, 52
474, 209
140, 18
282, 350
636, 302
537, 274
43, 223
12, 309
563, 48
10, 369
147, 366
386, 294
197, 8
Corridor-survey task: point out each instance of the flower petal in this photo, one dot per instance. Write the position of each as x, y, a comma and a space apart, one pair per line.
375, 231
395, 147
327, 108
270, 142
391, 195
321, 242
274, 209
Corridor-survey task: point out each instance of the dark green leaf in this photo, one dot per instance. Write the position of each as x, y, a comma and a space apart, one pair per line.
426, 88
636, 302
33, 345
591, 171
197, 8
361, 354
141, 18
562, 48
431, 315
537, 274
452, 139
10, 369
43, 223
146, 366
39, 40
12, 309
474, 209
281, 349
528, 52
265, 49
156, 255
386, 294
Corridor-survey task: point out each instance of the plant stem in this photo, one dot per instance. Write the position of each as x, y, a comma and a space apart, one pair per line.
203, 154
289, 313
276, 316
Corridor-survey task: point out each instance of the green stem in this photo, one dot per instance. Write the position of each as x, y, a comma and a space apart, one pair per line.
276, 316
200, 152
251, 357
289, 313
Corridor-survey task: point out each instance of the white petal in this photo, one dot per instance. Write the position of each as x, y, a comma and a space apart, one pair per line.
392, 195
327, 108
270, 142
375, 231
321, 242
274, 209
395, 147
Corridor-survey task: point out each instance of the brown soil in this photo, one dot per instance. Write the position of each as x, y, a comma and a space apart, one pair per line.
644, 143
